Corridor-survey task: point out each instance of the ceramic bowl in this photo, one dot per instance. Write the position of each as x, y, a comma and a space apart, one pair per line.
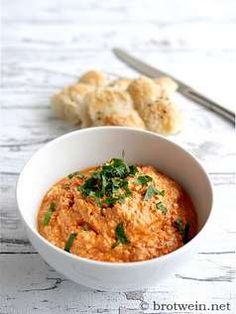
89, 147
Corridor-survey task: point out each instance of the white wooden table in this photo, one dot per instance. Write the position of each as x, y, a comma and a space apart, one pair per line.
46, 45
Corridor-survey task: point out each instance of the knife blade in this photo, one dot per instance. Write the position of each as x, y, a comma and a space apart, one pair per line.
183, 88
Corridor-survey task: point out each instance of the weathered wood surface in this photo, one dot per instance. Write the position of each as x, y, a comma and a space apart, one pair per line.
47, 44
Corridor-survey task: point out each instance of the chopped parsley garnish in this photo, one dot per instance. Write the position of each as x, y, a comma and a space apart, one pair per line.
49, 213
133, 170
123, 155
143, 180
161, 207
151, 191
183, 229
76, 174
109, 184
112, 200
70, 241
121, 237
162, 192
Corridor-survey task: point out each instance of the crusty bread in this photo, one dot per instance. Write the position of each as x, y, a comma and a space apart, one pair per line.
128, 117
167, 84
68, 103
141, 103
161, 116
85, 118
95, 78
112, 107
143, 91
121, 84
107, 100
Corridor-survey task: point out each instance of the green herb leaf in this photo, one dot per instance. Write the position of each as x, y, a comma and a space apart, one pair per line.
70, 241
98, 201
108, 183
162, 192
161, 207
133, 170
127, 189
49, 213
143, 180
120, 168
151, 191
113, 200
123, 154
90, 186
110, 200
121, 237
183, 229
76, 174
179, 225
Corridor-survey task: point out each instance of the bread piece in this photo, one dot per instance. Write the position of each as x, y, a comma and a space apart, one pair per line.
121, 84
107, 100
68, 103
162, 116
168, 85
95, 78
112, 107
144, 91
85, 117
129, 118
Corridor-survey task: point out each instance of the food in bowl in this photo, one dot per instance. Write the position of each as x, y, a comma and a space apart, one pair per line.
92, 146
141, 103
117, 213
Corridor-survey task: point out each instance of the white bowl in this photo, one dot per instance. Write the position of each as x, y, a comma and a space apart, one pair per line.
93, 146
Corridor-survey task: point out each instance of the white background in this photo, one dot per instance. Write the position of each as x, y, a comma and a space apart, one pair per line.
46, 44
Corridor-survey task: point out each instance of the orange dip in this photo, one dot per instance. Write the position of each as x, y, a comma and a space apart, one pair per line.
145, 214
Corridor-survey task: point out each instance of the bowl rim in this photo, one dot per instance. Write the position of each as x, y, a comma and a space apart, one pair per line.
98, 263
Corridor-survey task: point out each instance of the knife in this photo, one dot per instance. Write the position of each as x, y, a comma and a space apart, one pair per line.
183, 88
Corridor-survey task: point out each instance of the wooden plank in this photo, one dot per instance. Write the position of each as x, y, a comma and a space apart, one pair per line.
27, 277
176, 36
55, 69
44, 11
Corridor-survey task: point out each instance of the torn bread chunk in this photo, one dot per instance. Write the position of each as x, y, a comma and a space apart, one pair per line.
112, 107
129, 118
168, 85
142, 103
143, 91
121, 84
95, 78
67, 104
107, 100
83, 113
161, 116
